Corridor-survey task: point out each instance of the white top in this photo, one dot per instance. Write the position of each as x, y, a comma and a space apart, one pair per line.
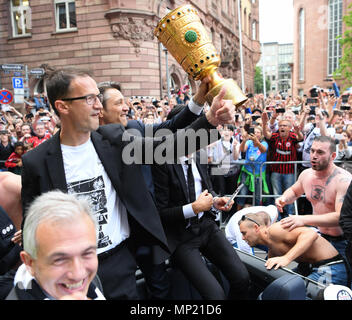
86, 177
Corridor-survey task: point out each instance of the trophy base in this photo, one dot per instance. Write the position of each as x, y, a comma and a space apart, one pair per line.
233, 93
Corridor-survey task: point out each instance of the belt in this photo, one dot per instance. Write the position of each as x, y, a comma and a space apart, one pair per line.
333, 238
108, 253
328, 262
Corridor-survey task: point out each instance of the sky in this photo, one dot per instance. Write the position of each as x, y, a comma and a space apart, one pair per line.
276, 21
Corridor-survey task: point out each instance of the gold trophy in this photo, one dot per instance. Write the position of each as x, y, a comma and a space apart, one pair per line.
184, 36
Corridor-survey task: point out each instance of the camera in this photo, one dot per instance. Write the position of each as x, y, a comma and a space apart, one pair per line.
314, 92
251, 130
280, 110
345, 98
312, 100
312, 110
345, 108
42, 114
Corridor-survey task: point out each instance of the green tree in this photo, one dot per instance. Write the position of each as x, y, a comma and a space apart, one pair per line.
345, 69
258, 81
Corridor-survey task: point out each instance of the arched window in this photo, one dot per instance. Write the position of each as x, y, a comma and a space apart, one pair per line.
301, 42
335, 30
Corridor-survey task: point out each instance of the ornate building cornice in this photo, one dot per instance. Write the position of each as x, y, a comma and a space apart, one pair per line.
134, 26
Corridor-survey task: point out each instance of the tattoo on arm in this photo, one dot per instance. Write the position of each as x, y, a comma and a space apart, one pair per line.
334, 174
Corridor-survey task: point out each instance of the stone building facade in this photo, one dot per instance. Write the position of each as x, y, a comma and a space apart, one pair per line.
114, 39
316, 50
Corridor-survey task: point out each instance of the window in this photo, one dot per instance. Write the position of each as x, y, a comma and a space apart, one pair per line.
65, 15
301, 45
335, 30
245, 21
254, 30
20, 18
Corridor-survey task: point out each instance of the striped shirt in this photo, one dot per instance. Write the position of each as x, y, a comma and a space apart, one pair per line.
283, 149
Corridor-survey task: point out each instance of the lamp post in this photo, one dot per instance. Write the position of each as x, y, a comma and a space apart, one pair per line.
160, 75
263, 71
167, 72
241, 49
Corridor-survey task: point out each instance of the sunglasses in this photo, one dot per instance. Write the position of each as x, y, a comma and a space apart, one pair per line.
247, 218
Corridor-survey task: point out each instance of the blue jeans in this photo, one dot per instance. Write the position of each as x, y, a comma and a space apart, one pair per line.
333, 274
281, 182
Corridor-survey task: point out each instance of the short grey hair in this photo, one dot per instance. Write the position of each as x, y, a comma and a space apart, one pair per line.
52, 206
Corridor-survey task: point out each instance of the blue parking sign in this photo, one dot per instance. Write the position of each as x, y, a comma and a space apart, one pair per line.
17, 83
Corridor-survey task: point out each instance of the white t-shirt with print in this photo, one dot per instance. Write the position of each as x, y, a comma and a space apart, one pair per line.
86, 177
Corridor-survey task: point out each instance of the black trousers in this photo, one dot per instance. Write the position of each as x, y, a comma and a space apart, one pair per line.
212, 243
155, 275
117, 273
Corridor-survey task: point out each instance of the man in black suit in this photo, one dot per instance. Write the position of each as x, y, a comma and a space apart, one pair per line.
115, 110
91, 161
184, 199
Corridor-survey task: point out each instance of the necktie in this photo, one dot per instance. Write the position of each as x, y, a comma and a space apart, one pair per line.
190, 182
191, 189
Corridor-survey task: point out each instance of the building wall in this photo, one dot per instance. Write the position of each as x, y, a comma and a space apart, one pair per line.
316, 44
114, 39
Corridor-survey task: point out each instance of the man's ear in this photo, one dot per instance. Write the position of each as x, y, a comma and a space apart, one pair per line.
28, 261
61, 106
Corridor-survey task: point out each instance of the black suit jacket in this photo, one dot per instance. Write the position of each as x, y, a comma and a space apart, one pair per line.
43, 170
171, 194
179, 121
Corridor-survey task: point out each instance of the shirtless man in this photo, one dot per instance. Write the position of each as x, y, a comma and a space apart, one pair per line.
10, 196
321, 260
325, 186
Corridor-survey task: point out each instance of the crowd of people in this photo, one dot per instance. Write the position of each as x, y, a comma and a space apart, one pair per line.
145, 212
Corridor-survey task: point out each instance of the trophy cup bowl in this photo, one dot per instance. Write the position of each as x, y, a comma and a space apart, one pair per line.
184, 36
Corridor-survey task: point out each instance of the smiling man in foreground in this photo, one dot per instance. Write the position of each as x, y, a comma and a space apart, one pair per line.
60, 251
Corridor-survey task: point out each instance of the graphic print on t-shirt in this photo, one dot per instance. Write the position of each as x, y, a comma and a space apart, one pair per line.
94, 190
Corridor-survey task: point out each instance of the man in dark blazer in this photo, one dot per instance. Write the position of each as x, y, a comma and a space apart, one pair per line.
191, 230
115, 110
91, 161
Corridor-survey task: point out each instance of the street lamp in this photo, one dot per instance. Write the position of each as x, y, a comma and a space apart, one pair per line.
160, 74
167, 72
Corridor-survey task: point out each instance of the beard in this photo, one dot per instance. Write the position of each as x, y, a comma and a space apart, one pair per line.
320, 166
